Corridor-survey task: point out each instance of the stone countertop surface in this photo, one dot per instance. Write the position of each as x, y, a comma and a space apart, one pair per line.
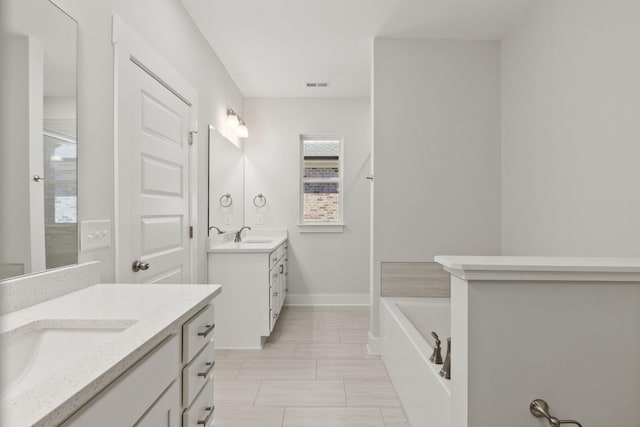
250, 245
149, 313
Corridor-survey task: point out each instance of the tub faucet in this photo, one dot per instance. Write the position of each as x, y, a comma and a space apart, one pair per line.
445, 372
213, 227
436, 357
238, 237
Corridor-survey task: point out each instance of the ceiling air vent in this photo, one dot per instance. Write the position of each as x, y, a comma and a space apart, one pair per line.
317, 84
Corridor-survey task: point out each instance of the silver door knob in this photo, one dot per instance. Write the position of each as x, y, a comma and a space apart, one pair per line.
139, 265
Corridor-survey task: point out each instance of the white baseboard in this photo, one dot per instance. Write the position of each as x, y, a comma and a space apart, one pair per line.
374, 344
327, 299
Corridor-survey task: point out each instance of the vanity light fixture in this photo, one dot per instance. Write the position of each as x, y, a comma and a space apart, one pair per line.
236, 122
243, 132
232, 118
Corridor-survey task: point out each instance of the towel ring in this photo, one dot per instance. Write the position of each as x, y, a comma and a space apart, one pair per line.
259, 201
226, 200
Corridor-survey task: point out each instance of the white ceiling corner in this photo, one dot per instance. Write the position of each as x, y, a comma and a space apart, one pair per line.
271, 48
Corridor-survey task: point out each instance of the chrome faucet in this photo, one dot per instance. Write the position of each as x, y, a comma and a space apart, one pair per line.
213, 227
238, 237
445, 372
436, 357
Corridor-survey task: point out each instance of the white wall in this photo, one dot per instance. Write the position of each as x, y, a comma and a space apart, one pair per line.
320, 265
571, 130
166, 26
436, 113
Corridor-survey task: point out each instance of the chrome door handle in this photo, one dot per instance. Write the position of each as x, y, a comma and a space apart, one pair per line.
139, 265
540, 409
204, 422
38, 178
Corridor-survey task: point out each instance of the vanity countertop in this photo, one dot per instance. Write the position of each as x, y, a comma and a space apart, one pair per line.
249, 245
253, 241
149, 313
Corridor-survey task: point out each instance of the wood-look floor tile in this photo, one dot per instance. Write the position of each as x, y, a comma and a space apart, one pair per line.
227, 368
278, 369
230, 416
301, 393
348, 323
332, 417
277, 350
235, 392
394, 416
354, 336
309, 334
362, 393
326, 315
320, 350
364, 369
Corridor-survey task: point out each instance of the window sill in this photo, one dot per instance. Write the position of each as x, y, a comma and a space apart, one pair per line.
321, 228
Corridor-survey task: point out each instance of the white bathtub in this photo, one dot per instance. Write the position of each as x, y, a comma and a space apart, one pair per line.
405, 329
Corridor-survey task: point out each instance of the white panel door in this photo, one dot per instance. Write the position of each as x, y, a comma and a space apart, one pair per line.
156, 222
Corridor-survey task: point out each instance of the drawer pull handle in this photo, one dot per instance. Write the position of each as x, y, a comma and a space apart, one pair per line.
206, 373
281, 268
204, 422
275, 294
207, 331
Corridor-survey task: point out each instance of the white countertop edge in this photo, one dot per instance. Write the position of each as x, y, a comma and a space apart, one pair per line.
52, 409
232, 247
542, 268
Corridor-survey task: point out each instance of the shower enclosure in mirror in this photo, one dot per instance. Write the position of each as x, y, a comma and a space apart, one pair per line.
226, 183
38, 155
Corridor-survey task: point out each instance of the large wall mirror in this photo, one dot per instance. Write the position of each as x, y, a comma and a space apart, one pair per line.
226, 183
38, 155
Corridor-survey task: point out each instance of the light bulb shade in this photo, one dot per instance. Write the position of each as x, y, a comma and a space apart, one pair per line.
243, 132
232, 118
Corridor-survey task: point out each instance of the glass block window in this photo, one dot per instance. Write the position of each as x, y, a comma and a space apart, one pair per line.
321, 180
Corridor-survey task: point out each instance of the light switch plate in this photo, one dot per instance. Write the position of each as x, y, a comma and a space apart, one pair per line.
95, 234
260, 219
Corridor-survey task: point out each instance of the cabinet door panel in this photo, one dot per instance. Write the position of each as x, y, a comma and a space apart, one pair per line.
124, 401
165, 412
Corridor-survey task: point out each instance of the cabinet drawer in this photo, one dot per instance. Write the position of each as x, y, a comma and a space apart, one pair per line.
197, 332
200, 413
273, 258
281, 251
196, 374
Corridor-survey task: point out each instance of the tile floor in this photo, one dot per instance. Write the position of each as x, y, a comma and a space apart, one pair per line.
313, 371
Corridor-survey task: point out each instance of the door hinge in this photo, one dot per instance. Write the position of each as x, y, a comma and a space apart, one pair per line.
191, 231
191, 136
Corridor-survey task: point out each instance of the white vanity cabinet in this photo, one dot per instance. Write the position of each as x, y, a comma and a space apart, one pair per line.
171, 386
255, 288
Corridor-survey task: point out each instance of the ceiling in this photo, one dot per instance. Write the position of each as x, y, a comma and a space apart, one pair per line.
272, 48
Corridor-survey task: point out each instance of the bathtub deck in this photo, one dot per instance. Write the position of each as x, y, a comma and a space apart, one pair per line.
314, 371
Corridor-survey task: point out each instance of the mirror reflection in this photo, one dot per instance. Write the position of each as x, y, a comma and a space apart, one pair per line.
226, 183
38, 161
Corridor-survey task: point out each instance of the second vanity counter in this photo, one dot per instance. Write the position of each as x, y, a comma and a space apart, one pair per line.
254, 241
139, 318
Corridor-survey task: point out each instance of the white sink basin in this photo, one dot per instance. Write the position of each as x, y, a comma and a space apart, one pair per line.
27, 359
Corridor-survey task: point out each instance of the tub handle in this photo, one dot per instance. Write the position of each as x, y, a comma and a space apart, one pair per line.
540, 409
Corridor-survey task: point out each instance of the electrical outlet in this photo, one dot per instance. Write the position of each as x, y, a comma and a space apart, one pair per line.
95, 234
260, 219
227, 219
